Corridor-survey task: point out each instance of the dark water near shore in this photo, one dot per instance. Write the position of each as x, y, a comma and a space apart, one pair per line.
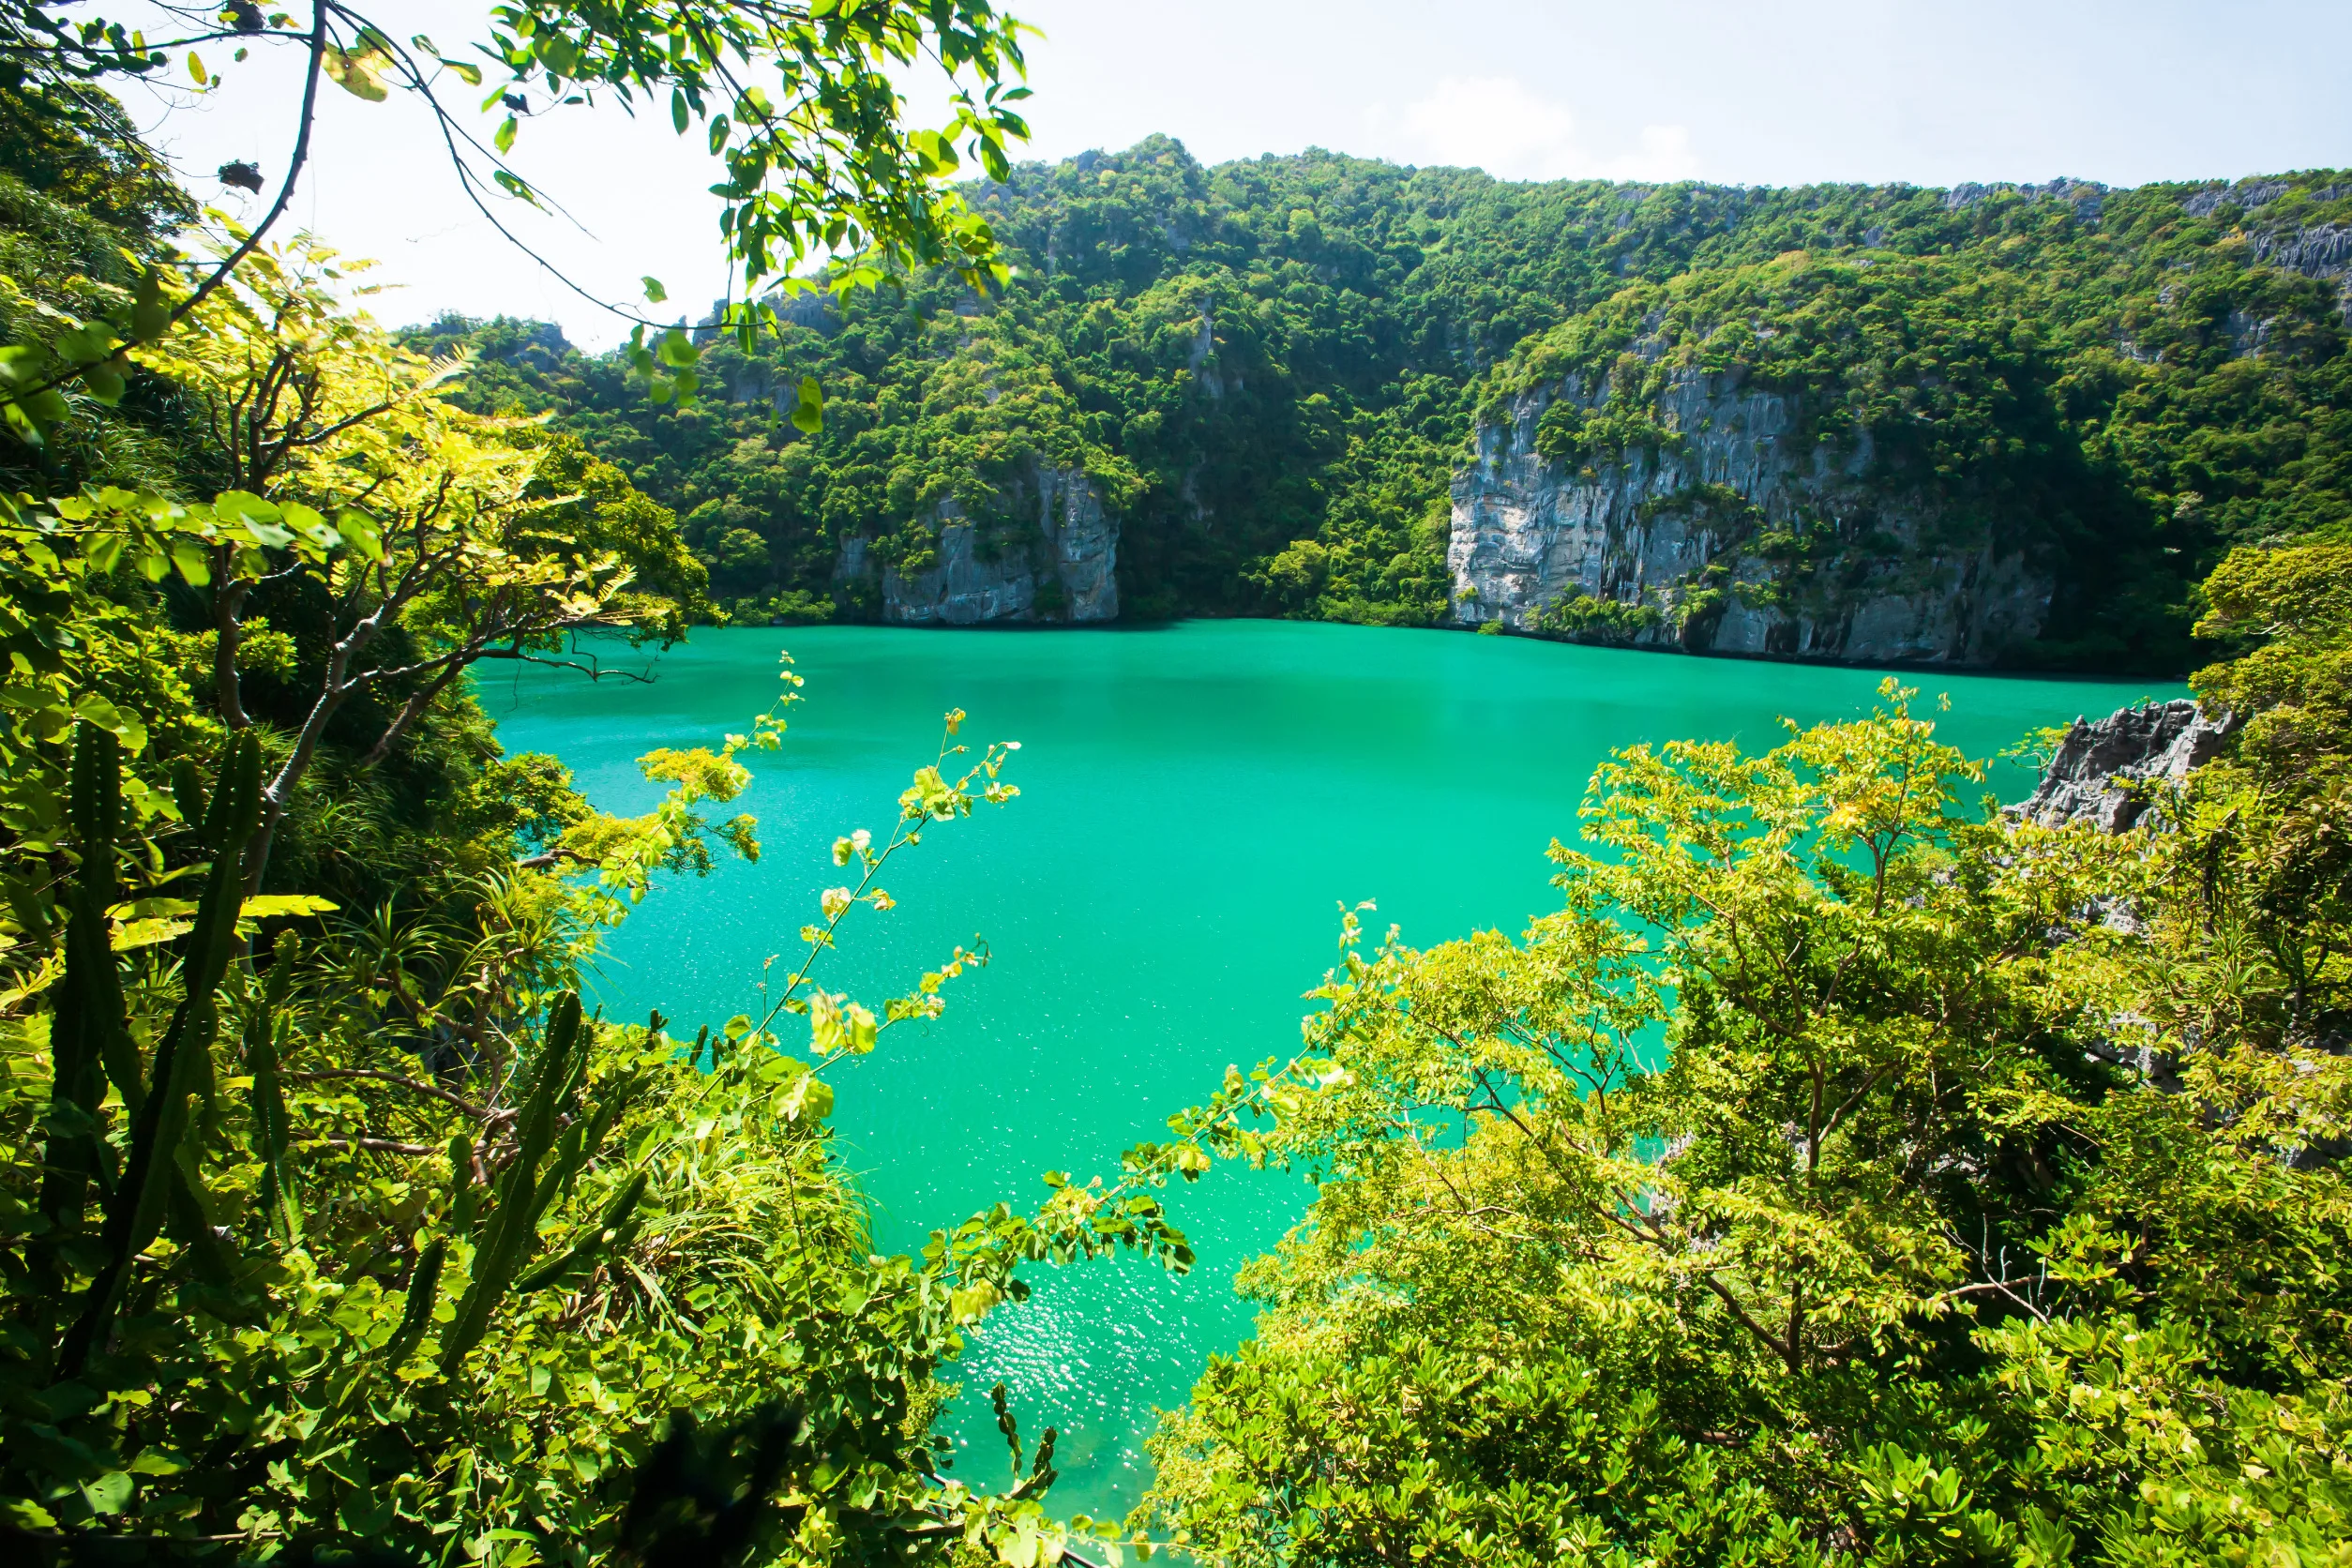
1196, 801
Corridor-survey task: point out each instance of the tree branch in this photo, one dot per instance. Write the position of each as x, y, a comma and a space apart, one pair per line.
293, 168
377, 1075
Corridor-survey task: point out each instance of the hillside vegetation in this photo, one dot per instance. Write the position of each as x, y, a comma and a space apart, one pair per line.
1270, 369
1847, 1172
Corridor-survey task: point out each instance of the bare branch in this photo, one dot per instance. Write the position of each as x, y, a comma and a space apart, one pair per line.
377, 1075
294, 169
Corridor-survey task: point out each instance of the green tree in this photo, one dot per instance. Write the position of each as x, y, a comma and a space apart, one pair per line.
1841, 1171
822, 161
2115, 387
365, 1236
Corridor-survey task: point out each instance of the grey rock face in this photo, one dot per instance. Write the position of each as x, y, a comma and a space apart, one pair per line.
1687, 537
2086, 196
544, 346
2322, 250
1065, 572
2102, 771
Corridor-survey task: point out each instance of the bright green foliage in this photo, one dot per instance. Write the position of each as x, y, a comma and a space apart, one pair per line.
433, 1280
1245, 357
2053, 378
1841, 1172
824, 162
327, 1222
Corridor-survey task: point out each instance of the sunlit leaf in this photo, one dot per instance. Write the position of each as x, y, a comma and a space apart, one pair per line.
351, 73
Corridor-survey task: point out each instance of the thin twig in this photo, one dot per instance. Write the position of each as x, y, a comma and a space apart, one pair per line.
377, 1145
477, 1112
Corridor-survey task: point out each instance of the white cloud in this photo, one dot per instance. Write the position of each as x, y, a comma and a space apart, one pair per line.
1497, 124
1665, 154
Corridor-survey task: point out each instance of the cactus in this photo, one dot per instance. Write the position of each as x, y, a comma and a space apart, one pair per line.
423, 1289
465, 1198
525, 1193
610, 1229
89, 1034
521, 1196
273, 1138
152, 1168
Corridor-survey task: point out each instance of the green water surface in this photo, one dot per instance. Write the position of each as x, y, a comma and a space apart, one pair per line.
1196, 801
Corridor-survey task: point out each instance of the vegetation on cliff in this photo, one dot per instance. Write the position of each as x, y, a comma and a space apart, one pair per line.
1846, 1172
330, 1227
1271, 367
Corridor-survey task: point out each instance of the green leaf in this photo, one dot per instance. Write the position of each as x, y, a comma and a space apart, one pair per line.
677, 350
505, 139
108, 1494
678, 114
973, 1302
265, 532
187, 555
307, 523
366, 1512
654, 291
27, 1514
561, 54
360, 532
196, 69
809, 1099
149, 316
235, 505
264, 905
127, 727
350, 72
809, 408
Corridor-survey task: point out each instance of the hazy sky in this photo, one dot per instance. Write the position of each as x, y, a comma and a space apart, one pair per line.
1671, 89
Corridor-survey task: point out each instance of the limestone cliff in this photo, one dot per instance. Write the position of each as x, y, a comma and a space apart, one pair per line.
1064, 569
2106, 770
1725, 536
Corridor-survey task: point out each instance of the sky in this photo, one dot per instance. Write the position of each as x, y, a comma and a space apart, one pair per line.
1724, 90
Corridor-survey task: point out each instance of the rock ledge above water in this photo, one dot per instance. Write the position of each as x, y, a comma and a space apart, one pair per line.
2103, 769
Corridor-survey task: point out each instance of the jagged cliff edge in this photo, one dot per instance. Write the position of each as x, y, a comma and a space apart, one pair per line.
1066, 571
1728, 540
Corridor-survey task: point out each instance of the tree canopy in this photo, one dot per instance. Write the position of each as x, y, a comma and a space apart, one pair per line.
1279, 353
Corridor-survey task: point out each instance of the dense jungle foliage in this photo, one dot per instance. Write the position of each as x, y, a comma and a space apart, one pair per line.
1847, 1172
1269, 369
330, 1227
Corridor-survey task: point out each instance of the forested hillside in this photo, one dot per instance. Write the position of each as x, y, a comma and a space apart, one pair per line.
1849, 1173
1268, 374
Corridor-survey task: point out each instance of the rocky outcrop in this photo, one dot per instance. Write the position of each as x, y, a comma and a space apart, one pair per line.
2320, 250
1066, 571
2087, 197
2106, 773
1725, 537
